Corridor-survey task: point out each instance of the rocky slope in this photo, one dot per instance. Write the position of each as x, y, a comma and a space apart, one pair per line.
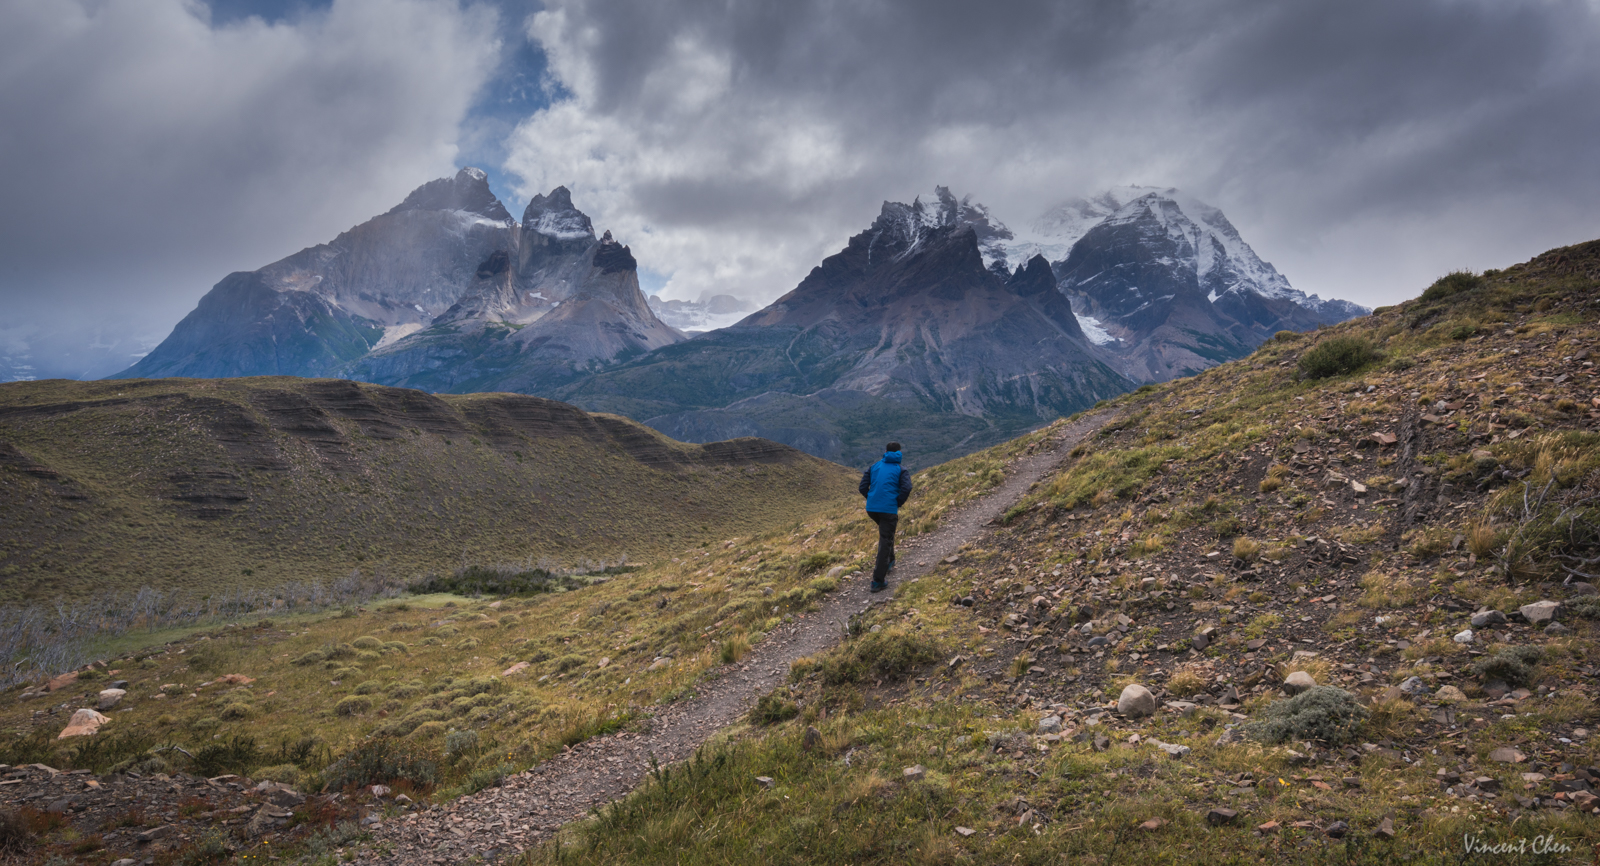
905, 334
213, 483
427, 294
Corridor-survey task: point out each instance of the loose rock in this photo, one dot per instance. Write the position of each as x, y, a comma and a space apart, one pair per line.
1298, 682
83, 723
1136, 702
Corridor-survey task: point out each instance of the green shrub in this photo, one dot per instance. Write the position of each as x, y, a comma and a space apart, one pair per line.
380, 761
310, 658
366, 642
354, 705
427, 731
772, 709
1463, 331
1322, 713
815, 562
569, 662
237, 711
369, 687
288, 774
237, 755
887, 655
1513, 665
15, 837
1286, 336
458, 743
1337, 356
486, 777
1583, 607
1453, 283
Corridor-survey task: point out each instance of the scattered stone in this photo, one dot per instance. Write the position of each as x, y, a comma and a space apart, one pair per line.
659, 663
1153, 824
1507, 755
1220, 815
110, 698
515, 669
155, 833
1136, 702
812, 740
764, 781
1269, 827
1414, 686
61, 682
1101, 742
1336, 830
1200, 641
1555, 629
604, 661
1385, 828
1540, 612
380, 791
1298, 682
83, 723
1487, 618
1050, 725
234, 680
964, 832
1450, 694
1253, 645
1464, 636
914, 773
1176, 750
955, 662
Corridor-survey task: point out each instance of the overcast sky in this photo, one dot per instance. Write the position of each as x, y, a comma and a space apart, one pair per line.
149, 147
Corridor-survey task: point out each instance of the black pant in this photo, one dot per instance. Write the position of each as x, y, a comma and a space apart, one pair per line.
886, 526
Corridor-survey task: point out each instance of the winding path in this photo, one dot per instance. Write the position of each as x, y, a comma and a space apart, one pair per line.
531, 806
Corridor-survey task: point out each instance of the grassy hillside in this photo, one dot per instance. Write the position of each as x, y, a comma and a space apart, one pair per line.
207, 484
1338, 504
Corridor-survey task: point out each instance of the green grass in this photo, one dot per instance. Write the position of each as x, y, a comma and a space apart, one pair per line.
198, 484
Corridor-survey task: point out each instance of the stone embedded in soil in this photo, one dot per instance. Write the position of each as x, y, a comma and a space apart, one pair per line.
1298, 682
1507, 755
1463, 637
1153, 824
964, 832
517, 668
1450, 694
1385, 828
110, 698
914, 773
812, 739
1050, 725
83, 723
1555, 629
1414, 686
1136, 702
1540, 612
1487, 618
1220, 815
764, 781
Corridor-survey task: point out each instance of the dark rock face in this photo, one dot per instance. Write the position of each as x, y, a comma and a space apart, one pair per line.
903, 334
445, 291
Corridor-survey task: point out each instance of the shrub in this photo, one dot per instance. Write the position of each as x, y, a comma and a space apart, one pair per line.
288, 774
427, 731
1453, 283
381, 761
1285, 336
310, 658
1463, 331
237, 755
366, 642
1323, 713
1246, 549
734, 649
1583, 607
1513, 665
815, 562
824, 584
353, 705
369, 687
887, 655
1337, 356
486, 777
772, 709
237, 711
569, 662
458, 743
15, 837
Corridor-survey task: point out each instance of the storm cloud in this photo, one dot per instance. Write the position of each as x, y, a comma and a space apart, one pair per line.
148, 151
1364, 147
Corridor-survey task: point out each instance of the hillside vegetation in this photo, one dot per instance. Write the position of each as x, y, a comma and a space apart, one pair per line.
1338, 507
209, 484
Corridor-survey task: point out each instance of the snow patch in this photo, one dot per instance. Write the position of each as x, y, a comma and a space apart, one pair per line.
396, 333
1092, 329
419, 309
563, 225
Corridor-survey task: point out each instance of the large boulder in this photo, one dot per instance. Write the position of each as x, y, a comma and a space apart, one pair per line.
1540, 612
1298, 682
1136, 702
83, 723
110, 698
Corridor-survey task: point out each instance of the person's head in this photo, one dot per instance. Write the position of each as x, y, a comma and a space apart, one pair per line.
892, 446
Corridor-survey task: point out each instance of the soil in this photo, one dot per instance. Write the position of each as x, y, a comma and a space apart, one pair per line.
531, 806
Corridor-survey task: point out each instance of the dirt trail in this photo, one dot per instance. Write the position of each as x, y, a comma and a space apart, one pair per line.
531, 806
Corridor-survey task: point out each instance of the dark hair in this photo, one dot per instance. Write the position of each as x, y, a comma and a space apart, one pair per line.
892, 446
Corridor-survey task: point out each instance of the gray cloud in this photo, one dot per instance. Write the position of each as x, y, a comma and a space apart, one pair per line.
1364, 147
147, 153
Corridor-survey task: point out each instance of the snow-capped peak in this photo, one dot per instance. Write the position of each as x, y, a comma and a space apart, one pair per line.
906, 222
555, 216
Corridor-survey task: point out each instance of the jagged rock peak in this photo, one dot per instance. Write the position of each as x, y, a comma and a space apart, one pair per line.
1033, 278
553, 215
612, 257
907, 223
467, 191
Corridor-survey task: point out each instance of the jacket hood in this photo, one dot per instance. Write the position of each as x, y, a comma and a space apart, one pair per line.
891, 456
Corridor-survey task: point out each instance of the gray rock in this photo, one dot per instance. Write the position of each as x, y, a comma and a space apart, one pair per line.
1487, 618
914, 773
1450, 694
155, 833
1414, 686
1298, 682
1507, 755
110, 698
1176, 750
1555, 629
1220, 815
1136, 702
1464, 636
1578, 587
764, 781
812, 740
1540, 612
1050, 725
1200, 641
1098, 641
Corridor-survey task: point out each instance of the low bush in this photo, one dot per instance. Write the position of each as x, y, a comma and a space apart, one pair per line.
1511, 665
353, 705
1337, 356
1453, 283
1322, 713
381, 761
477, 580
887, 655
237, 755
772, 709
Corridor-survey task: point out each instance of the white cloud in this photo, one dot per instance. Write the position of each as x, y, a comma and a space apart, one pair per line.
1363, 147
148, 153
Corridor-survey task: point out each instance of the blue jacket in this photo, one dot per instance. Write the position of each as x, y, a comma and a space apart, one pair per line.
886, 484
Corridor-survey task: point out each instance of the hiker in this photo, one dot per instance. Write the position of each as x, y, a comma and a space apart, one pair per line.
885, 484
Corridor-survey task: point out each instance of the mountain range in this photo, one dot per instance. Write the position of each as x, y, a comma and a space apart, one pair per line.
938, 325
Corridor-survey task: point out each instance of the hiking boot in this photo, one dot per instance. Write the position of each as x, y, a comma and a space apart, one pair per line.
878, 587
